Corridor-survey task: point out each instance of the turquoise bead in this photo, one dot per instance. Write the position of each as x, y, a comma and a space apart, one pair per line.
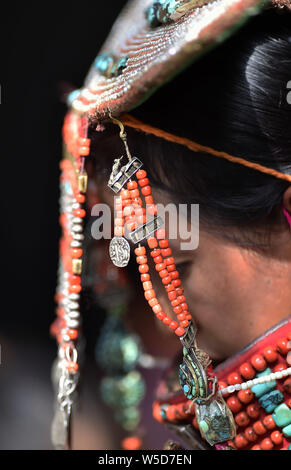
289, 447
287, 431
282, 415
270, 400
262, 389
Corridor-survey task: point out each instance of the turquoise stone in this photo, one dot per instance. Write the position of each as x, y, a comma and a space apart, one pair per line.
103, 62
270, 400
289, 447
282, 415
203, 426
287, 431
262, 389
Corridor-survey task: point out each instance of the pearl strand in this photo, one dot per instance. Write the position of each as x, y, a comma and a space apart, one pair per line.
259, 380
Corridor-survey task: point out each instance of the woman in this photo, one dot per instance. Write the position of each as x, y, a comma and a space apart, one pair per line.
235, 283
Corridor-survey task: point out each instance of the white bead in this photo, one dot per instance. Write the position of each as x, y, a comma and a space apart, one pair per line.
237, 386
279, 375
256, 381
78, 236
231, 389
284, 373
74, 296
77, 228
76, 244
73, 323
77, 220
250, 383
244, 386
73, 305
73, 314
76, 205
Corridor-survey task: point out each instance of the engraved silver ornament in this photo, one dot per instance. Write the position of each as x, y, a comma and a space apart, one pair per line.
119, 251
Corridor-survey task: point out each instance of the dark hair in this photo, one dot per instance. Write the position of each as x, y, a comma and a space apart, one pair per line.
233, 99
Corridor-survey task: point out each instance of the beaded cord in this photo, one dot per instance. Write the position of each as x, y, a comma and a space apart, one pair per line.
261, 406
130, 211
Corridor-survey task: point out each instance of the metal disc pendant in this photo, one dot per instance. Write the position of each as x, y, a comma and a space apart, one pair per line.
119, 251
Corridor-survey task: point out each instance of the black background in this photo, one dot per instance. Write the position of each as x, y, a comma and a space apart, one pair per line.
44, 48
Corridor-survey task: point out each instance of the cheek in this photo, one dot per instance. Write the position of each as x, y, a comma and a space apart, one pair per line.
217, 285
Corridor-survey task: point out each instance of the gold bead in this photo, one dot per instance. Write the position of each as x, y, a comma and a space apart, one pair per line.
77, 266
82, 182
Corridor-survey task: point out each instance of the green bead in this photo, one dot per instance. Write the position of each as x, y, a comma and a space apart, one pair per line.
262, 389
282, 415
203, 426
287, 431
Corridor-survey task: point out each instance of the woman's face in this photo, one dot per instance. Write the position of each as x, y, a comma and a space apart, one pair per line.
234, 293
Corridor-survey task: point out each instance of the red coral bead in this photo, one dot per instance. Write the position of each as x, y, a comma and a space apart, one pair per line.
234, 378
75, 289
140, 251
234, 404
146, 190
276, 437
173, 325
77, 253
143, 182
283, 346
258, 362
160, 266
270, 354
143, 268
245, 396
166, 280
253, 410
79, 213
161, 316
150, 294
180, 331
80, 198
250, 434
172, 295
131, 185
152, 242
267, 444
242, 419
247, 371
240, 441
166, 253
268, 422
131, 443
141, 174
259, 428
72, 333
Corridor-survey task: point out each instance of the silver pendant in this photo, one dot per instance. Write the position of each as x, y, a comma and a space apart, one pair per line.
60, 430
119, 252
120, 175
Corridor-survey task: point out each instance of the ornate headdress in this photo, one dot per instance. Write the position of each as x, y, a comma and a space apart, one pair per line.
151, 41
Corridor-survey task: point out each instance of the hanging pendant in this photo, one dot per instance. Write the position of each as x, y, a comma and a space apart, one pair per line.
120, 175
213, 416
119, 252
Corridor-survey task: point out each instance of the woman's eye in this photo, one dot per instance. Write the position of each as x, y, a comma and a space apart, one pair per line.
182, 268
